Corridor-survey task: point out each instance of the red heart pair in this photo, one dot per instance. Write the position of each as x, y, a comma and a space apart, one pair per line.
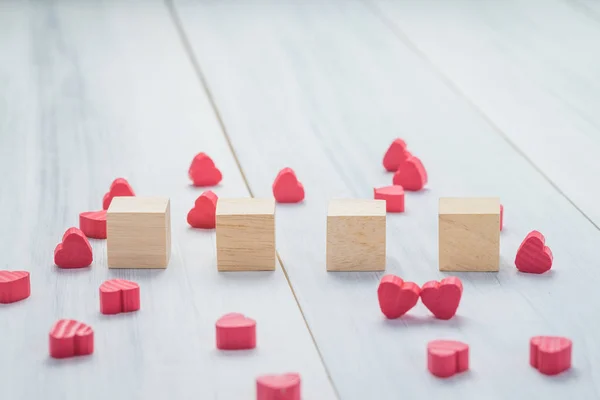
203, 214
14, 286
447, 357
397, 297
395, 155
236, 332
118, 188
119, 296
550, 355
70, 338
203, 171
74, 251
93, 224
393, 196
411, 174
287, 188
533, 256
278, 387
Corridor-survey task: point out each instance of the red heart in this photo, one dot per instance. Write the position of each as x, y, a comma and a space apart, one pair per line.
393, 196
93, 224
70, 338
236, 332
203, 171
203, 214
411, 174
119, 296
447, 357
550, 355
533, 255
74, 251
118, 188
396, 297
442, 298
278, 387
14, 286
286, 187
395, 155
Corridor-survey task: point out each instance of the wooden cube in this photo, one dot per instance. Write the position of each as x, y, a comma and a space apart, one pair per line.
246, 234
356, 235
138, 232
469, 234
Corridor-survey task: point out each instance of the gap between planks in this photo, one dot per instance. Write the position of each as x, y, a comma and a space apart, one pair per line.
397, 32
204, 84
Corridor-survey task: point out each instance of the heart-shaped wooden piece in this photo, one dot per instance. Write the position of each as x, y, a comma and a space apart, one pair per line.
70, 338
447, 357
236, 332
287, 188
550, 355
396, 297
203, 171
534, 256
203, 214
411, 174
119, 296
442, 298
14, 286
393, 196
278, 387
395, 155
118, 188
93, 224
74, 251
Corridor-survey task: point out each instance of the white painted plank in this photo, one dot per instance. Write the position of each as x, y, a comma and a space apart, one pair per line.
532, 67
324, 88
91, 91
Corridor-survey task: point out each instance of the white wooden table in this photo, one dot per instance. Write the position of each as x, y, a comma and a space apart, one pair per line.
497, 99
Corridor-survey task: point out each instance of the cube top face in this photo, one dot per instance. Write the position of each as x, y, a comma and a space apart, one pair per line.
356, 208
247, 206
138, 205
473, 205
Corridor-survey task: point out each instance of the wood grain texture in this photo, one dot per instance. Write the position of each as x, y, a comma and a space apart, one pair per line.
325, 88
469, 234
138, 232
246, 234
356, 235
528, 67
91, 91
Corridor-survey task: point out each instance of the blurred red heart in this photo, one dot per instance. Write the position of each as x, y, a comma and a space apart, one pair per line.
442, 298
236, 332
395, 155
411, 174
447, 357
203, 214
74, 251
393, 196
287, 188
119, 296
14, 286
93, 224
203, 171
550, 355
533, 256
278, 387
70, 338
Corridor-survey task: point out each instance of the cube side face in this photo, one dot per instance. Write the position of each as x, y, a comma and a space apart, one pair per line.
138, 240
356, 243
246, 242
469, 242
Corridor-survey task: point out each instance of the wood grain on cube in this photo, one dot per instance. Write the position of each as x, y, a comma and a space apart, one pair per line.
356, 235
246, 234
139, 232
469, 234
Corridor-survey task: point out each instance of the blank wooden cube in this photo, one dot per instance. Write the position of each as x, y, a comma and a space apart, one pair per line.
246, 234
138, 232
356, 235
469, 234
